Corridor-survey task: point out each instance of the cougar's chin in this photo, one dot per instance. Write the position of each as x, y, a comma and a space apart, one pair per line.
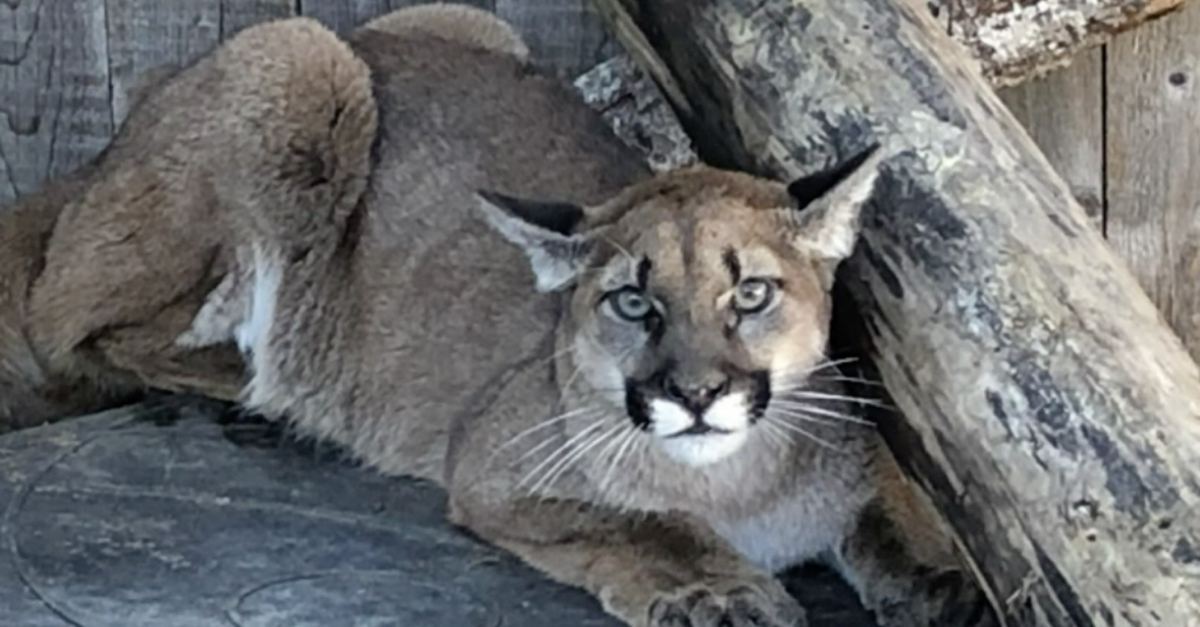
698, 441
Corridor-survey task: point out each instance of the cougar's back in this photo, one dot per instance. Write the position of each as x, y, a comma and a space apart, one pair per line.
434, 306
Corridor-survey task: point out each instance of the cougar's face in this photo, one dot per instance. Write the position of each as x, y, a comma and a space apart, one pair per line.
693, 314
698, 299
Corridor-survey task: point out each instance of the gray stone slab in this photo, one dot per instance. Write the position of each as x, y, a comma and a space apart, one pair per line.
186, 515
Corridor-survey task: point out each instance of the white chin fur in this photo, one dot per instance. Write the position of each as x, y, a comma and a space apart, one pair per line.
729, 413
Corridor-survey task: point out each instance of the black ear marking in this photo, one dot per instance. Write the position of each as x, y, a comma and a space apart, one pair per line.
559, 217
806, 189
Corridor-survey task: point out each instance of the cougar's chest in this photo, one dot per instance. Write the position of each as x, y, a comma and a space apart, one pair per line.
794, 531
808, 517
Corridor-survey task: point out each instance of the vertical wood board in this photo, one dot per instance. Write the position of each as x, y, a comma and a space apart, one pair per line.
1153, 173
55, 109
344, 15
146, 34
1064, 114
565, 34
238, 14
1015, 40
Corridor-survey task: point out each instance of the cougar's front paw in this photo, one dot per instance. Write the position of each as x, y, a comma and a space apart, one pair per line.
729, 606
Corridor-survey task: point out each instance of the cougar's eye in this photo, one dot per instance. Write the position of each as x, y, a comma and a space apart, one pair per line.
753, 295
630, 304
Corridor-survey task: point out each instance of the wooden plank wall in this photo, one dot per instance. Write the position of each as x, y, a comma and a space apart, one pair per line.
1122, 125
66, 66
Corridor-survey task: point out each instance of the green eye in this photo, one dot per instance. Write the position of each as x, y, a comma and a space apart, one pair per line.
630, 304
753, 295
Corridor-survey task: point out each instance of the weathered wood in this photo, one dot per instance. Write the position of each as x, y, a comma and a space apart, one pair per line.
1018, 39
344, 15
1154, 164
566, 35
57, 108
238, 14
634, 107
147, 34
562, 34
1064, 114
1047, 410
54, 90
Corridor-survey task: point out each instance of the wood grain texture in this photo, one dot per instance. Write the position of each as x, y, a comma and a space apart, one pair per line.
1064, 114
343, 15
1154, 164
1016, 40
55, 110
1045, 407
238, 14
564, 34
147, 34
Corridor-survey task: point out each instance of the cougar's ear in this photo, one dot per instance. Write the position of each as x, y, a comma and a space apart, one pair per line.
545, 231
829, 203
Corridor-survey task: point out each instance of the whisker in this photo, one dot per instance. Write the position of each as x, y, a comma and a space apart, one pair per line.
851, 380
799, 375
810, 386
571, 379
595, 413
570, 460
541, 445
791, 427
775, 434
574, 413
610, 447
818, 367
858, 400
622, 249
626, 441
814, 412
567, 350
566, 445
579, 370
816, 420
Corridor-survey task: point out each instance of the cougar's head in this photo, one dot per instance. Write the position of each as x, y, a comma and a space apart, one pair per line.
695, 296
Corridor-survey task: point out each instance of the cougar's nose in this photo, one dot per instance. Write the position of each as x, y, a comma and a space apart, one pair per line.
696, 396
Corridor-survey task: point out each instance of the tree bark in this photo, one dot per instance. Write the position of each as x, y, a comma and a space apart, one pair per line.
1016, 40
1048, 411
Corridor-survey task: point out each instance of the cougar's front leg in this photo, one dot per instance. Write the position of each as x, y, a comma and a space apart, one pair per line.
649, 570
904, 565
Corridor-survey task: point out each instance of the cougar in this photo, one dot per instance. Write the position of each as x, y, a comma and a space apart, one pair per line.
432, 253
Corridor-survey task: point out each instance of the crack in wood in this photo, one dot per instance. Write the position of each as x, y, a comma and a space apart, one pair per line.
21, 56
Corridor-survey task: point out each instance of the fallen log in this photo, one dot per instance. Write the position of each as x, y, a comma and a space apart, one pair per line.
1047, 410
1015, 41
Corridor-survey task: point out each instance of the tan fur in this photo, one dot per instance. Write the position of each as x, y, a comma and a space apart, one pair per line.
262, 198
29, 394
281, 116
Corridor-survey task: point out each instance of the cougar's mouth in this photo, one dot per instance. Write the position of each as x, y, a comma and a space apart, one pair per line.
698, 429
